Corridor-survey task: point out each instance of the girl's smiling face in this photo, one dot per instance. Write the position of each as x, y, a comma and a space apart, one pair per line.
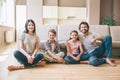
74, 36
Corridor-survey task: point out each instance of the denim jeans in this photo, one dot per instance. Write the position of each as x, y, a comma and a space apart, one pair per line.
96, 56
23, 59
70, 60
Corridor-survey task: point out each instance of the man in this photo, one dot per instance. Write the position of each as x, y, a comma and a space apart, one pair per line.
96, 52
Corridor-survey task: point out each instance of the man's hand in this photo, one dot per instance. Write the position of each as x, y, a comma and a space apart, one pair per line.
93, 40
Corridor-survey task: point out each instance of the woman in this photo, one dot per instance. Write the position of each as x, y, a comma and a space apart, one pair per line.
28, 54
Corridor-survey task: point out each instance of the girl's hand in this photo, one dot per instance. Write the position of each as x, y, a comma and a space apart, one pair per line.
77, 58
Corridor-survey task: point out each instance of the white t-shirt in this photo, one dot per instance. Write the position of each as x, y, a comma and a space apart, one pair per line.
29, 42
86, 41
53, 47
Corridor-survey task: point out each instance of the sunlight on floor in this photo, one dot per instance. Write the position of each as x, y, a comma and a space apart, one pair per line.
6, 50
3, 58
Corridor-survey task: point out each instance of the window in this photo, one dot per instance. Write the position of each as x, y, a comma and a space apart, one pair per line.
7, 14
3, 11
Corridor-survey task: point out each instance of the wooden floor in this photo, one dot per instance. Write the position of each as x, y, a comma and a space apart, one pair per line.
60, 71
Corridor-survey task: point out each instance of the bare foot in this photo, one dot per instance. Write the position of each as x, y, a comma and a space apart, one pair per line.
84, 62
66, 62
41, 63
111, 62
10, 68
54, 60
61, 61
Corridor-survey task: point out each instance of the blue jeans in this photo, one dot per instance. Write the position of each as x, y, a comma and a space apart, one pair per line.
96, 56
70, 60
23, 59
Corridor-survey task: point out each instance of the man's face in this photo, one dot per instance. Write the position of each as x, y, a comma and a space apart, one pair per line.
84, 28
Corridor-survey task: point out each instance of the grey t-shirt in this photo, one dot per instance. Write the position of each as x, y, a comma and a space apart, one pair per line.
86, 41
29, 42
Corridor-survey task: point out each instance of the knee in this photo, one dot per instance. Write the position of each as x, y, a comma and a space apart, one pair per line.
67, 59
108, 37
17, 53
93, 61
40, 55
62, 54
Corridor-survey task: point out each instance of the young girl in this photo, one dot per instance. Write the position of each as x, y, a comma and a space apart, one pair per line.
74, 49
28, 54
53, 53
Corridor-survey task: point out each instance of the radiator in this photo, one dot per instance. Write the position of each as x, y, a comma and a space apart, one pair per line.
9, 36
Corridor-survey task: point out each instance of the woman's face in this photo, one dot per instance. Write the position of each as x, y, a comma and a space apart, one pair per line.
74, 36
30, 27
52, 36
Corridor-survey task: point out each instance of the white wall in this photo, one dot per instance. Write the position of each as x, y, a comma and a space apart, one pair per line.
34, 11
10, 13
3, 29
20, 19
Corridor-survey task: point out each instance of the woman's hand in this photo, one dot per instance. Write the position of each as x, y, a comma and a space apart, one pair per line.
33, 56
30, 59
